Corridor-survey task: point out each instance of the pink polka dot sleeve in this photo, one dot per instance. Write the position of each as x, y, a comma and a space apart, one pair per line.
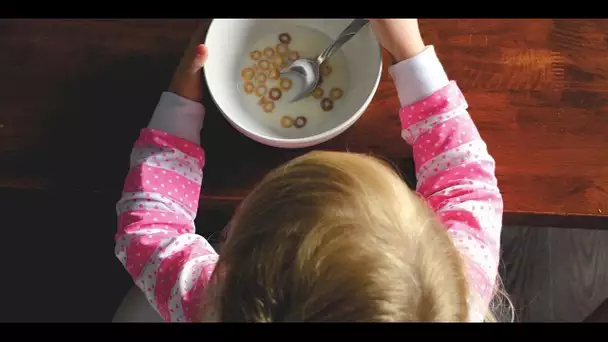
456, 175
156, 240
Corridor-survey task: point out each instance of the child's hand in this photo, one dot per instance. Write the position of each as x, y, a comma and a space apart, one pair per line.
400, 37
186, 80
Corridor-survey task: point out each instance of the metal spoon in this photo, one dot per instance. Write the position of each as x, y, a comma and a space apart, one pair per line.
309, 69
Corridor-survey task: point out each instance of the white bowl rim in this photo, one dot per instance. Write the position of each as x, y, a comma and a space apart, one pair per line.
307, 141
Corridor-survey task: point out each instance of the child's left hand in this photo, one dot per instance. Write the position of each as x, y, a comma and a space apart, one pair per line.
186, 80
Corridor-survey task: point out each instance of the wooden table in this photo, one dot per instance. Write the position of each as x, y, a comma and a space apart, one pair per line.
74, 93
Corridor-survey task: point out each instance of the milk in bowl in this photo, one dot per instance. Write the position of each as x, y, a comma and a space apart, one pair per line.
267, 94
243, 76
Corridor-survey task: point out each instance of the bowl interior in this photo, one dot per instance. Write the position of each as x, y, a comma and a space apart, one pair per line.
229, 40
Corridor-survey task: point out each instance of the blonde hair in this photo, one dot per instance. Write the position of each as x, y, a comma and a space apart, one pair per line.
333, 236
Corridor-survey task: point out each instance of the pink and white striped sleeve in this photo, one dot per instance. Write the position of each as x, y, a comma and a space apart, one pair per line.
156, 240
455, 172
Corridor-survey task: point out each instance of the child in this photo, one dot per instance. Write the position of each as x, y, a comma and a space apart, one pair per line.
328, 236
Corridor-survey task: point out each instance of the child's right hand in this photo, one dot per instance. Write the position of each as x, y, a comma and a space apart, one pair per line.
400, 37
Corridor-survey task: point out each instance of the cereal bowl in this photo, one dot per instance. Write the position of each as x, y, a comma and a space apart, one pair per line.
242, 73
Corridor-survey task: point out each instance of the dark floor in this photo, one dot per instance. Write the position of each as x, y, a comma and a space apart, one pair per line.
59, 264
554, 274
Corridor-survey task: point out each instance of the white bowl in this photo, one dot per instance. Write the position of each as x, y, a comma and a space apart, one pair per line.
229, 40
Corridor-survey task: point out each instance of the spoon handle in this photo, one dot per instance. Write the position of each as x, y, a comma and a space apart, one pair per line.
344, 37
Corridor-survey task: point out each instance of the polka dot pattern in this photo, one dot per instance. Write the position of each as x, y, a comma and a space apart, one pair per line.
184, 301
155, 239
147, 280
481, 282
171, 262
195, 300
149, 179
174, 161
472, 153
477, 211
138, 221
443, 105
453, 188
159, 208
162, 140
456, 176
446, 137
478, 251
141, 248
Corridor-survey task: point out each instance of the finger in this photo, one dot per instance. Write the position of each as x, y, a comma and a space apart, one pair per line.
196, 54
200, 57
197, 38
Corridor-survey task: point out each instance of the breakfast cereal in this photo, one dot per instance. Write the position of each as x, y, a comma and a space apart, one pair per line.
274, 74
267, 106
263, 64
268, 52
286, 121
300, 122
275, 94
293, 56
263, 78
327, 104
248, 74
255, 55
317, 93
336, 93
248, 87
282, 49
279, 62
261, 90
326, 69
285, 83
285, 38
260, 78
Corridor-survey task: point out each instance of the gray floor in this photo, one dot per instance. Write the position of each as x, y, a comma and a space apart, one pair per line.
555, 274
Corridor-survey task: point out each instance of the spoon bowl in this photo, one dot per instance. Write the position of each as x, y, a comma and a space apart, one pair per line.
309, 70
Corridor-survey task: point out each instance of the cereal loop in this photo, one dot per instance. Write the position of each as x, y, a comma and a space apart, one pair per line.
261, 90
327, 104
267, 106
248, 87
274, 74
275, 94
269, 52
285, 83
285, 38
255, 55
293, 56
279, 62
282, 49
264, 64
247, 74
260, 78
326, 69
286, 121
336, 93
317, 93
300, 122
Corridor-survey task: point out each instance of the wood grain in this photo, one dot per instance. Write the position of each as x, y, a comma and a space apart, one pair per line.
74, 93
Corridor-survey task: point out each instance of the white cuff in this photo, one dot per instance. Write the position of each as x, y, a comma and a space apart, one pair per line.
178, 116
418, 77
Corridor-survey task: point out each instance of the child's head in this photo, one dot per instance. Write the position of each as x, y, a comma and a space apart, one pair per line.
338, 237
